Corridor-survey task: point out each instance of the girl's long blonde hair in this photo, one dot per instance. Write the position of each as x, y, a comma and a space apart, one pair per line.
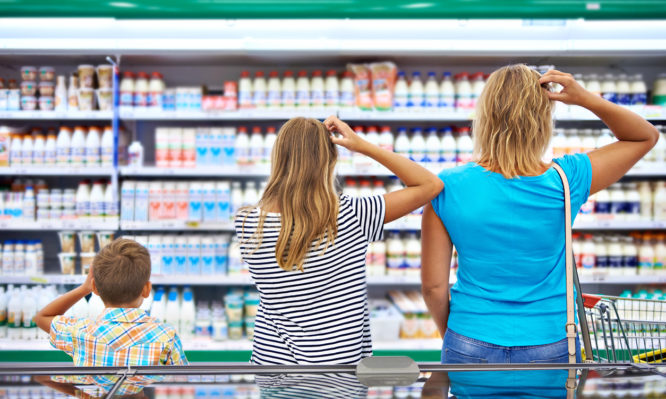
513, 124
302, 187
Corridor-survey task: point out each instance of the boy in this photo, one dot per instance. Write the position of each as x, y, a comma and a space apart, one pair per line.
123, 335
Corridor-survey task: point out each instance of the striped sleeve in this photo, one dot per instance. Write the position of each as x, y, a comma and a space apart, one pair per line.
370, 213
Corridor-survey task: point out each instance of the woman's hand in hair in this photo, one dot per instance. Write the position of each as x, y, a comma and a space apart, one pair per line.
572, 93
347, 137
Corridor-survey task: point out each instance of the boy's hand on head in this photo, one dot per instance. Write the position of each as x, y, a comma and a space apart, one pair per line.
87, 285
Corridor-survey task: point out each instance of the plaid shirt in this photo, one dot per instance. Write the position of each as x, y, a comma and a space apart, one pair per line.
119, 337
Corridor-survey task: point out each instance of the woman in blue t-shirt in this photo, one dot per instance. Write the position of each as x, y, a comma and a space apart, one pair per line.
505, 215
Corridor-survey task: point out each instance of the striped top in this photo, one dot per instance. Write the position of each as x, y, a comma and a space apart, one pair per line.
320, 315
310, 386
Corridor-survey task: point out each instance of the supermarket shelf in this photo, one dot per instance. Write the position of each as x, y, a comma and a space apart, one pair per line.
52, 225
210, 171
57, 115
55, 171
648, 169
388, 116
175, 225
240, 115
607, 225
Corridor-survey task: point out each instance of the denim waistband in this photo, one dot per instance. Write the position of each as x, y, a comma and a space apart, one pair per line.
489, 345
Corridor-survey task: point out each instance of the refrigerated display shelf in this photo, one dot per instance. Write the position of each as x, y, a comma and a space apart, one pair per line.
240, 115
48, 225
57, 115
56, 170
175, 225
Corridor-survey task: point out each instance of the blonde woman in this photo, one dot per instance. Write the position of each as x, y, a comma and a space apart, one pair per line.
305, 244
504, 213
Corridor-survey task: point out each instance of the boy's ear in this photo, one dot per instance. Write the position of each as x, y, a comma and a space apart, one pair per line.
94, 288
146, 289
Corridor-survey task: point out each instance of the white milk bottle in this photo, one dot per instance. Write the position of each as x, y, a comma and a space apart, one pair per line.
141, 90
256, 146
83, 200
14, 314
373, 138
395, 255
588, 259
629, 256
50, 149
93, 141
608, 88
73, 93
378, 188
156, 89
317, 91
78, 146
402, 145
274, 92
602, 205
350, 188
332, 94
39, 150
601, 256
110, 203
360, 161
26, 150
448, 149
16, 150
433, 150
61, 94
464, 146
127, 91
187, 315
463, 92
645, 193
417, 146
288, 91
659, 201
365, 190
302, 91
63, 147
259, 90
623, 89
478, 83
412, 255
416, 97
617, 201
386, 138
267, 145
638, 90
107, 147
347, 99
28, 312
223, 199
172, 308
379, 258
97, 200
236, 198
592, 84
193, 254
646, 255
245, 90
195, 201
250, 195
431, 92
632, 206
242, 146
447, 93
400, 93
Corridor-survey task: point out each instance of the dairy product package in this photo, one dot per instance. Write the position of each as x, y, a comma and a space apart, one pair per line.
4, 146
383, 80
362, 85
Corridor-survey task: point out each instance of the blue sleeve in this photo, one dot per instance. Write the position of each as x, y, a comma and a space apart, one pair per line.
438, 202
578, 169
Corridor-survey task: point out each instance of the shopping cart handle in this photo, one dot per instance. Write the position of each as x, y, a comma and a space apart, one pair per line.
590, 300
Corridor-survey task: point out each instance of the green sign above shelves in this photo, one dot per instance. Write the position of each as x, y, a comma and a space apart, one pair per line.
372, 9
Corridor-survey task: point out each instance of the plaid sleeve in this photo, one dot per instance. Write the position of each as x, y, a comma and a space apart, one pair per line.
61, 333
174, 355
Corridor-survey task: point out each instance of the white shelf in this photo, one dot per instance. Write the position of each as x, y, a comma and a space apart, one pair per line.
208, 171
48, 225
56, 170
648, 169
175, 225
240, 115
391, 116
57, 115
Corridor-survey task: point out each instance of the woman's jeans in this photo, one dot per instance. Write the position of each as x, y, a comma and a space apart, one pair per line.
460, 349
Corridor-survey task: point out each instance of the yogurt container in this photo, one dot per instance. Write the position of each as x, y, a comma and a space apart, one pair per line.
46, 103
46, 89
105, 76
46, 73
86, 262
28, 73
104, 99
66, 241
67, 262
87, 241
28, 103
86, 97
28, 88
86, 76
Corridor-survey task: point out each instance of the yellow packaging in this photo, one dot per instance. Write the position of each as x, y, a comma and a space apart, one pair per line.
410, 327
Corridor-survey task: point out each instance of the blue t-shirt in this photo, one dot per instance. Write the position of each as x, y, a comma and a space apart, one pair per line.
509, 234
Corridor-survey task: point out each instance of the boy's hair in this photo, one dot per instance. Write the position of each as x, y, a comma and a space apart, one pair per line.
121, 270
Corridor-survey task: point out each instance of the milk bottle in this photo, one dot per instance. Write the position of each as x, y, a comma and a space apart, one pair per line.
632, 206
97, 200
417, 146
379, 257
602, 205
615, 257
236, 198
638, 90
83, 200
209, 202
464, 146
127, 189
193, 255
386, 138
259, 90
93, 154
601, 256
447, 93
463, 92
347, 99
302, 91
412, 255
107, 147
288, 91
50, 151
250, 196
646, 255
608, 88
617, 201
242, 145
14, 314
222, 199
38, 151
332, 94
592, 84
415, 98
229, 153
245, 90
126, 91
448, 149
588, 259
141, 202
267, 145
365, 190
645, 194
141, 90
172, 309
110, 203
350, 188
400, 93
395, 255
156, 91
659, 200
402, 145
477, 87
256, 146
28, 312
78, 147
195, 201
378, 188
317, 91
623, 90
433, 152
63, 147
360, 161
431, 92
274, 93
629, 256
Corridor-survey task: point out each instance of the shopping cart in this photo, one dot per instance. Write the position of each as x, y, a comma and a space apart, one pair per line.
616, 329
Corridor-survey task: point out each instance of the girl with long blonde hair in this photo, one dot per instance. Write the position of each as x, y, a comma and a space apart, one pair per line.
306, 245
504, 213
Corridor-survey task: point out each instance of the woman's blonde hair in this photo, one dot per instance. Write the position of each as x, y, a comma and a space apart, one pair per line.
513, 124
302, 187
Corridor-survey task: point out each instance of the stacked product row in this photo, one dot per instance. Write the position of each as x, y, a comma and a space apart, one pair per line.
633, 201
87, 251
614, 255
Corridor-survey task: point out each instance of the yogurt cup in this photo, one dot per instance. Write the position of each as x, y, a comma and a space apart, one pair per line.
46, 89
86, 76
235, 330
105, 99
67, 262
104, 238
105, 76
87, 241
28, 73
46, 73
46, 103
66, 241
86, 261
28, 88
86, 99
28, 103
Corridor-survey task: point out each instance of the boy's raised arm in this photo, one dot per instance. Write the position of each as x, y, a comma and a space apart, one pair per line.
62, 303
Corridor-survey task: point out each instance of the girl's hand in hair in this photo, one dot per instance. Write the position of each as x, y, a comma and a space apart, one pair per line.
347, 137
571, 93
